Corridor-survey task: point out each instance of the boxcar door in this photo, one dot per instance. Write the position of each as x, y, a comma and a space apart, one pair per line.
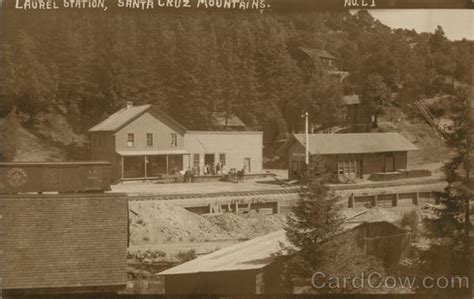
50, 178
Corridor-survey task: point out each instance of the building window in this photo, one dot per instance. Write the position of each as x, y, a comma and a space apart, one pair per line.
149, 139
222, 159
347, 167
130, 140
174, 139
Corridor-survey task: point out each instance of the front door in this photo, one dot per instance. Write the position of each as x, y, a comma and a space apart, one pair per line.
209, 159
389, 167
247, 164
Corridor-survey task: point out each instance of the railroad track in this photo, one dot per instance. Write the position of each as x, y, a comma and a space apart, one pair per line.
140, 197
143, 197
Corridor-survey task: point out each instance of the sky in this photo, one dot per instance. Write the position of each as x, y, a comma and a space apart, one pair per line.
457, 23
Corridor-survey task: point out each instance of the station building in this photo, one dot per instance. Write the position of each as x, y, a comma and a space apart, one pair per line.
350, 155
142, 142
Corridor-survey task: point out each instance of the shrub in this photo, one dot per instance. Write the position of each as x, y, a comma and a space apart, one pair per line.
411, 219
187, 255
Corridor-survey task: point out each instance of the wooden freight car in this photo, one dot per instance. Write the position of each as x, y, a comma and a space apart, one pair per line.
63, 177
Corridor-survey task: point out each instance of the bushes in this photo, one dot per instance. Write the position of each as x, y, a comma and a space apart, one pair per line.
411, 219
8, 136
187, 255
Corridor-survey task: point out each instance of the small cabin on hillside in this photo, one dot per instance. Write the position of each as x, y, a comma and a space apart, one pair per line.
228, 122
309, 58
142, 142
317, 55
351, 155
355, 116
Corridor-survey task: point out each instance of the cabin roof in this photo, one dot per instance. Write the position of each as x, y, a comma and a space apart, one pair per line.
232, 120
317, 53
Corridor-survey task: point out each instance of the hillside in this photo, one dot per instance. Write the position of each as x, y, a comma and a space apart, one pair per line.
29, 147
432, 152
246, 64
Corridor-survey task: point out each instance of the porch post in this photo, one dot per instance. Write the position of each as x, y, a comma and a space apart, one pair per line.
167, 165
121, 175
145, 164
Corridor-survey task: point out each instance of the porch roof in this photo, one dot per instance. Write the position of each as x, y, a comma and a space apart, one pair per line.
153, 152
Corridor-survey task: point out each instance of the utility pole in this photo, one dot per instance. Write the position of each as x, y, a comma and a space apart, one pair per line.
306, 146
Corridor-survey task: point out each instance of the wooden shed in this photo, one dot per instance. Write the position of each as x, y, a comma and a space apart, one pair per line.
243, 269
257, 266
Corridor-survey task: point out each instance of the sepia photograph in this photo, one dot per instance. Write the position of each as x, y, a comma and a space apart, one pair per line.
235, 148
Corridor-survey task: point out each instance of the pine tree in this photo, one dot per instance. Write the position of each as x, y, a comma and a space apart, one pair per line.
316, 218
452, 254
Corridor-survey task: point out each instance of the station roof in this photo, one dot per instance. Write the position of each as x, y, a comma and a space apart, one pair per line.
249, 255
355, 143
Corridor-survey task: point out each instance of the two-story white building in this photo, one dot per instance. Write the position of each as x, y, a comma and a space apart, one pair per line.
142, 142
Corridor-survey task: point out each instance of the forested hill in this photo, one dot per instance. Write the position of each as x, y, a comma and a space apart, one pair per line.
74, 69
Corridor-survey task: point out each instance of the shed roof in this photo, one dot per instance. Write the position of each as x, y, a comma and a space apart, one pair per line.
356, 143
124, 116
252, 254
232, 120
50, 241
351, 99
317, 53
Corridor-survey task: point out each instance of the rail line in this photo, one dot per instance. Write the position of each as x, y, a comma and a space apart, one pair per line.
140, 197
287, 190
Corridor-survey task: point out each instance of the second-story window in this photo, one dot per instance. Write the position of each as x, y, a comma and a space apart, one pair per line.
174, 139
149, 139
130, 140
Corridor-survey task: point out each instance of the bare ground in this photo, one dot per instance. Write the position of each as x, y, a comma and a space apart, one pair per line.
155, 222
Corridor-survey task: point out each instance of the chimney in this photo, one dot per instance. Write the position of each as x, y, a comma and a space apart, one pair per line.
129, 104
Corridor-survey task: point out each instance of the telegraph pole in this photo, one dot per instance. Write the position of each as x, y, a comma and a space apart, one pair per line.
306, 146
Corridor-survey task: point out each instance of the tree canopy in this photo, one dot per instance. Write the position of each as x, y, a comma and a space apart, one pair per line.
84, 66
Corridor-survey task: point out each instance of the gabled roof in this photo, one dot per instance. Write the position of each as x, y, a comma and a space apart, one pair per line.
317, 53
124, 116
63, 241
252, 254
232, 120
355, 143
351, 99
